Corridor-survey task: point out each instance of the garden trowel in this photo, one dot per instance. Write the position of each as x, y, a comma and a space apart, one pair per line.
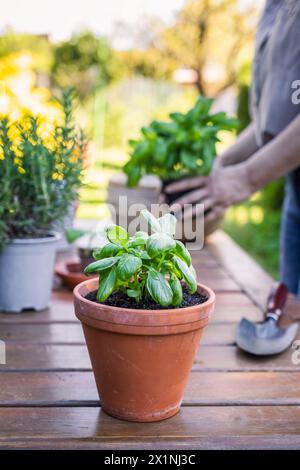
267, 337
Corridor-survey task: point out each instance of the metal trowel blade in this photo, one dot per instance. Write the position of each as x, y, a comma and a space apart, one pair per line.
264, 338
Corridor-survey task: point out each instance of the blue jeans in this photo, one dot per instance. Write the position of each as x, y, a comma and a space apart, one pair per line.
290, 235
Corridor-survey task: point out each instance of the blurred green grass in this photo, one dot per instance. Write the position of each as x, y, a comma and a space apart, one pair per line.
256, 229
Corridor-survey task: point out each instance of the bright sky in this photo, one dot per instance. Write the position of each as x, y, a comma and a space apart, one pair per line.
60, 18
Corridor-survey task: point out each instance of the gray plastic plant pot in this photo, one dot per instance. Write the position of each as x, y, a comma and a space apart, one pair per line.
26, 273
142, 197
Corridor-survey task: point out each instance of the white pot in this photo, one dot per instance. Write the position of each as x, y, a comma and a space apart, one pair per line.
26, 273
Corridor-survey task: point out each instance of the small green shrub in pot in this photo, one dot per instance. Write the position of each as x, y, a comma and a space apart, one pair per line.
182, 147
40, 174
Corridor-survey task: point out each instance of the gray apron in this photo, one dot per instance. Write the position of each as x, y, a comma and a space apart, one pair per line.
276, 66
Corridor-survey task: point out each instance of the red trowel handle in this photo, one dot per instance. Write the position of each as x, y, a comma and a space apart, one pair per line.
277, 298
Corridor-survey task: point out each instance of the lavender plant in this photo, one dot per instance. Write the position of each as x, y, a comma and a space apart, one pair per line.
40, 173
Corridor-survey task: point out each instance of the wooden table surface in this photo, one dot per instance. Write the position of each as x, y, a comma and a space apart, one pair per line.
48, 398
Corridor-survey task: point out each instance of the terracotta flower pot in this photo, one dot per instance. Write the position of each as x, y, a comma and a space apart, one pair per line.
141, 358
70, 273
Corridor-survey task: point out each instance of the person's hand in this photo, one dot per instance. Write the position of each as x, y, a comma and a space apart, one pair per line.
225, 186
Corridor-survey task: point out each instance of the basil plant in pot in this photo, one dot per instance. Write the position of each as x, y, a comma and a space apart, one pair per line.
184, 146
40, 173
142, 320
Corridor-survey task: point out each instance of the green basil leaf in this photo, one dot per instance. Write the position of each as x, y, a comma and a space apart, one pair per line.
186, 273
100, 265
128, 266
108, 250
139, 239
142, 150
160, 151
168, 224
106, 284
176, 287
172, 159
158, 243
151, 220
142, 235
188, 159
226, 123
165, 128
149, 132
209, 153
178, 117
159, 288
134, 174
117, 235
182, 252
202, 106
72, 234
145, 256
133, 142
133, 293
166, 267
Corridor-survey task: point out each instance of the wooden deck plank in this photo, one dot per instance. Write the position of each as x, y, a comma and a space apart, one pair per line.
48, 397
60, 310
47, 357
204, 388
194, 427
247, 273
42, 333
230, 358
60, 333
219, 334
230, 306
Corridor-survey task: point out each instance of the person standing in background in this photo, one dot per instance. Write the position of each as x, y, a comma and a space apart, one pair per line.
270, 146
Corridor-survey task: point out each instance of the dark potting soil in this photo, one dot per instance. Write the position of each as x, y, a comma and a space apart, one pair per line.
119, 299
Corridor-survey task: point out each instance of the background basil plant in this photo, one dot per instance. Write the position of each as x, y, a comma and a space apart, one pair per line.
144, 265
184, 146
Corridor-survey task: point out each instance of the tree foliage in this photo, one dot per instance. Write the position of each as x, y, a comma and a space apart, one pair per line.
211, 37
84, 62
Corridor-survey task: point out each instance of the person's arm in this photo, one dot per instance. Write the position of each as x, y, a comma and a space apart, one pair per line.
277, 158
243, 147
231, 184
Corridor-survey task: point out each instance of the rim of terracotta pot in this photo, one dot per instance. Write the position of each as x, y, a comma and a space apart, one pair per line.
138, 321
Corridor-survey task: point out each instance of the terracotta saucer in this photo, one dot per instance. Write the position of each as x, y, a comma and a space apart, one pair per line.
70, 273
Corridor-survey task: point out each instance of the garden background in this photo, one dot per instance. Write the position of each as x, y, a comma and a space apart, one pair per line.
142, 67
